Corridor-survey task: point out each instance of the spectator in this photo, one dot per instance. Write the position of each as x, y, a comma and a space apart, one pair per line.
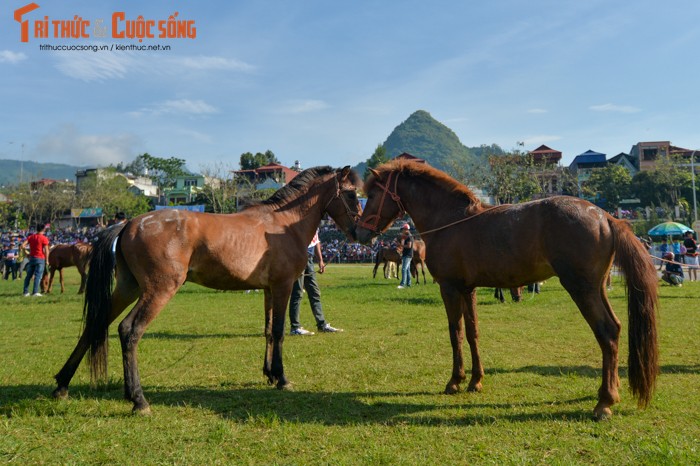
9, 257
38, 256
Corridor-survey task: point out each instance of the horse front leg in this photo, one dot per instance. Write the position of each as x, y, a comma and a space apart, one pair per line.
280, 301
471, 324
453, 306
60, 277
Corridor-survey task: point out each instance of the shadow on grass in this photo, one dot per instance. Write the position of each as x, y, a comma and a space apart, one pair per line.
197, 336
261, 406
258, 404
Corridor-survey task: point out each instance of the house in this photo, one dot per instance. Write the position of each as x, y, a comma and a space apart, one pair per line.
142, 186
545, 154
186, 189
272, 175
548, 174
583, 164
625, 161
644, 155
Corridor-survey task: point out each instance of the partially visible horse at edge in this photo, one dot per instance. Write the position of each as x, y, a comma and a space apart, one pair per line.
471, 245
261, 247
67, 255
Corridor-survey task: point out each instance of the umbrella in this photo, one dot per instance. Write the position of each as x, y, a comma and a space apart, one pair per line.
669, 229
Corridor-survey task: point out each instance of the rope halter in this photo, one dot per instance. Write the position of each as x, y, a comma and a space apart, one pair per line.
371, 222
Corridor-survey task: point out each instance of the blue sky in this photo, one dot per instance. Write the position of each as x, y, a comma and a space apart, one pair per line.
326, 82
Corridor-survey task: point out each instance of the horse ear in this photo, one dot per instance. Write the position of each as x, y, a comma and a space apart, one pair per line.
374, 172
345, 172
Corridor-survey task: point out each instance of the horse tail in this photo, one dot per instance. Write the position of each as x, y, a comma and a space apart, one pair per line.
642, 301
98, 301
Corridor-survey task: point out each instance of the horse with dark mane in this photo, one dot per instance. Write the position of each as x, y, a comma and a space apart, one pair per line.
387, 255
471, 245
262, 247
67, 255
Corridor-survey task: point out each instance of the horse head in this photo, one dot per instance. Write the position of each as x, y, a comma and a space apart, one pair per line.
383, 205
344, 207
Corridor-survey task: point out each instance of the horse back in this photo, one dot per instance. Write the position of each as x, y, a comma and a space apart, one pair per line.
514, 245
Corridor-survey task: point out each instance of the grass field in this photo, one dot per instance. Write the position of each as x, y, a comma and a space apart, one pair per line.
372, 394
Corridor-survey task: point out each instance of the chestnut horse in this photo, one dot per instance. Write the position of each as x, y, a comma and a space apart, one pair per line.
418, 259
470, 245
387, 255
262, 247
67, 255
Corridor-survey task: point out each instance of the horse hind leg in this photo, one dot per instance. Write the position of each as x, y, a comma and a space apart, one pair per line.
591, 298
123, 295
131, 329
60, 278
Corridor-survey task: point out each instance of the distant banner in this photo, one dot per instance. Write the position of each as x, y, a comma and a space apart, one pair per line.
193, 208
86, 213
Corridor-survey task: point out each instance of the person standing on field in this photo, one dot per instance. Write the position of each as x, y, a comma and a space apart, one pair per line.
38, 257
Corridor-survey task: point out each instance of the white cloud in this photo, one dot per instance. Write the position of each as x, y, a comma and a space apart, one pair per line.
8, 56
94, 66
178, 107
215, 63
303, 106
104, 65
67, 145
614, 108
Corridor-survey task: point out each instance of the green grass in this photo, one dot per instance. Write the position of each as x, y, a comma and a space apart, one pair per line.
369, 395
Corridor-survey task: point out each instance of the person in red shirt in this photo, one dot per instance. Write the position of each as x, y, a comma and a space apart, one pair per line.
38, 257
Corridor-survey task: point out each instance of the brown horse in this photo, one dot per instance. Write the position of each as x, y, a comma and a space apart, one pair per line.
387, 255
262, 247
470, 245
418, 259
67, 255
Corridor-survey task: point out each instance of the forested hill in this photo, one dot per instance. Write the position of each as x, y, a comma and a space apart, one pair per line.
14, 171
423, 136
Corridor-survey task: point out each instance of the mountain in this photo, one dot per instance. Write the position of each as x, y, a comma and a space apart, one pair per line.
425, 137
14, 171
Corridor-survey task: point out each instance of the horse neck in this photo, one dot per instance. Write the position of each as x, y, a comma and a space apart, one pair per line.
304, 213
431, 206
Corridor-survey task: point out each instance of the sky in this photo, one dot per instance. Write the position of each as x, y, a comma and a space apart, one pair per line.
324, 82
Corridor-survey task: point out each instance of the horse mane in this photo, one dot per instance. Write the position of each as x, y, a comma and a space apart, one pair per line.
425, 171
292, 190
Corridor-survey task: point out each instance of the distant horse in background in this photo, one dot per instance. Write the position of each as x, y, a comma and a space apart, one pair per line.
470, 245
67, 255
418, 259
387, 255
261, 247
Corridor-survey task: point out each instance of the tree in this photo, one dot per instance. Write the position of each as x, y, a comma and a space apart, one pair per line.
612, 183
662, 185
248, 161
110, 193
512, 179
378, 157
162, 171
219, 193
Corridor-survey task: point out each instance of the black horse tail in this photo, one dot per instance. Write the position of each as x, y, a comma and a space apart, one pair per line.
642, 301
98, 301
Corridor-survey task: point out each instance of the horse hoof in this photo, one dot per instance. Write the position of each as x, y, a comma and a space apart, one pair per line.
61, 393
285, 386
475, 387
451, 389
141, 411
602, 414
